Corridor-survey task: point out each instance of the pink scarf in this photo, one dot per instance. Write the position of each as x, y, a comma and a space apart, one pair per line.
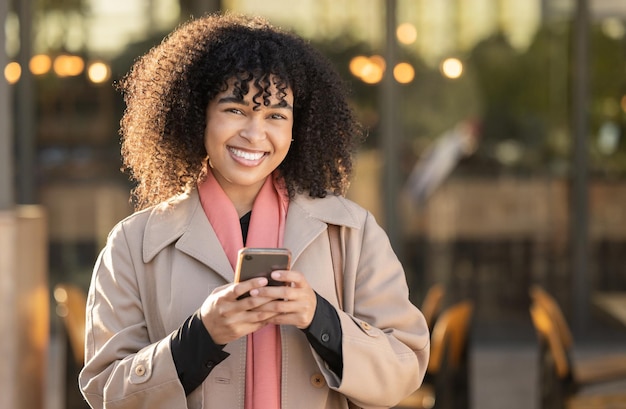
267, 226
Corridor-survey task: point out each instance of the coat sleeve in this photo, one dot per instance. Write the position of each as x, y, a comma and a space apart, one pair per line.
123, 369
386, 341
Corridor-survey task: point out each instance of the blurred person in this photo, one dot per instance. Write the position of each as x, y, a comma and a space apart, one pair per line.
237, 134
440, 159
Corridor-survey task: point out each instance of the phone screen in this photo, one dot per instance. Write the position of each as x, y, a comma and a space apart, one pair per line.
260, 262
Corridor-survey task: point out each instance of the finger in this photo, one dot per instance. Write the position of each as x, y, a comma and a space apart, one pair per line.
285, 300
295, 278
278, 306
242, 289
298, 314
273, 293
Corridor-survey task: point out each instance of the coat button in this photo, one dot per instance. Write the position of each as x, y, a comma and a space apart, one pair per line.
325, 337
365, 325
318, 380
140, 370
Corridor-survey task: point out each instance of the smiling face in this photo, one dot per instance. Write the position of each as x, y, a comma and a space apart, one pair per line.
246, 140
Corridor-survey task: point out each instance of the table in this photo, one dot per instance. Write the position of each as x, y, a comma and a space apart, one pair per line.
612, 304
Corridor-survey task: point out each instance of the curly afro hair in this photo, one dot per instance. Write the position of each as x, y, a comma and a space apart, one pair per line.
167, 92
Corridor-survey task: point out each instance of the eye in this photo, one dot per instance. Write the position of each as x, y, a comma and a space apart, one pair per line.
236, 111
278, 116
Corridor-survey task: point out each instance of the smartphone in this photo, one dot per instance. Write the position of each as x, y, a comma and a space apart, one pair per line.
260, 262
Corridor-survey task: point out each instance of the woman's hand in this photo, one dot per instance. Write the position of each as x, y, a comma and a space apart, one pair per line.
292, 304
226, 317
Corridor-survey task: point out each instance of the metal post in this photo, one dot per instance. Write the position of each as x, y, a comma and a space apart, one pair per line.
25, 129
7, 196
390, 134
579, 215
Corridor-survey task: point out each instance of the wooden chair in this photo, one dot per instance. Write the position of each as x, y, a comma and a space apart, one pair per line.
558, 387
542, 297
70, 307
447, 377
584, 372
431, 305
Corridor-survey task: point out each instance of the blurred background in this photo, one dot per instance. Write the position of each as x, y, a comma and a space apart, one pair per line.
495, 156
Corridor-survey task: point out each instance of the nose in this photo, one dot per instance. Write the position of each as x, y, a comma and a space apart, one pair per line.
254, 129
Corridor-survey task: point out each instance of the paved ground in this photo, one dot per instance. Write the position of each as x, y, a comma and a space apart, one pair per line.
505, 376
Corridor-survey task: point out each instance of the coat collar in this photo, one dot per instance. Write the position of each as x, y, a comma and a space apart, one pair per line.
182, 220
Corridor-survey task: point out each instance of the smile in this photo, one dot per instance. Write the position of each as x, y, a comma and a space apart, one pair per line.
246, 155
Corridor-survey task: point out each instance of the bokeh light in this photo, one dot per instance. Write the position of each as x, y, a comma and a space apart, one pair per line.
452, 68
12, 72
98, 72
403, 73
68, 65
406, 33
608, 138
613, 28
379, 61
369, 70
358, 64
40, 64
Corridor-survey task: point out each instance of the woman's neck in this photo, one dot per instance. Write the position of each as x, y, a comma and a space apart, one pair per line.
242, 209
242, 197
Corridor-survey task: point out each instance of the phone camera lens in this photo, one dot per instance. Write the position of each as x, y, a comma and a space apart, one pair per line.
248, 257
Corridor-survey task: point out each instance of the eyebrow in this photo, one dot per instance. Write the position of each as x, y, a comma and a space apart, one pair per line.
232, 99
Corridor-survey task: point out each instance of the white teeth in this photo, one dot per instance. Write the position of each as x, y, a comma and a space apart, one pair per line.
247, 155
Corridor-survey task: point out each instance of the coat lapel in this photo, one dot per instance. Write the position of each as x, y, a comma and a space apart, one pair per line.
183, 221
309, 217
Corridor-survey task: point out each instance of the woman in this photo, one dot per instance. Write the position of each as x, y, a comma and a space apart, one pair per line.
238, 134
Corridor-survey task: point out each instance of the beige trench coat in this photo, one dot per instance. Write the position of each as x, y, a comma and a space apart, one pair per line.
385, 338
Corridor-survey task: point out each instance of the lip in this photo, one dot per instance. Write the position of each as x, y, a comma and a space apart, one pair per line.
247, 157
